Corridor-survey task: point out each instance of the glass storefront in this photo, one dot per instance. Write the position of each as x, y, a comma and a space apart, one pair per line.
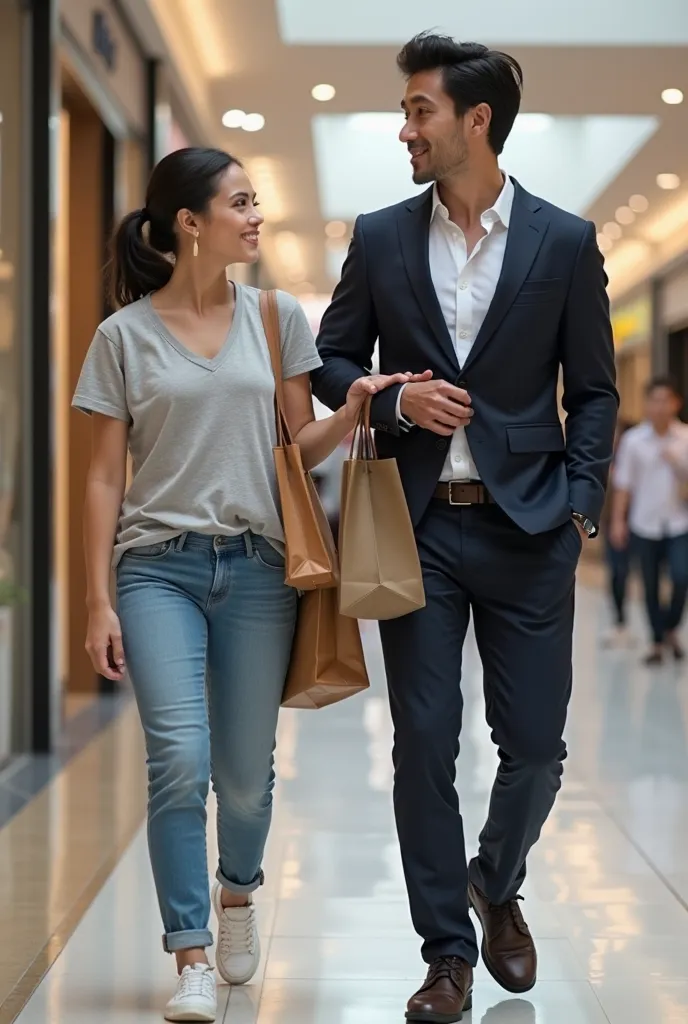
12, 236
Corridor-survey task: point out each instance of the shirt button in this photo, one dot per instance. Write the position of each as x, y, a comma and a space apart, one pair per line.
463, 286
463, 334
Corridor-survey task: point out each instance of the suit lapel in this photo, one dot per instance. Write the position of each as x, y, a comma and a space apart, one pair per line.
414, 232
527, 229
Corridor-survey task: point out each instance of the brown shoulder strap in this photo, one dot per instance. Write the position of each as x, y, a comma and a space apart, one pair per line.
269, 312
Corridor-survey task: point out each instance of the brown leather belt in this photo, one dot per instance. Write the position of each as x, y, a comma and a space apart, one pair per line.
460, 493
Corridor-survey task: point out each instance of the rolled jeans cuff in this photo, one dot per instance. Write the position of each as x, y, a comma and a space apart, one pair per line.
174, 941
238, 887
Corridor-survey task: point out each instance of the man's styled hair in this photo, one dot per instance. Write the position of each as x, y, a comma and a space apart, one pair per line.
472, 74
663, 382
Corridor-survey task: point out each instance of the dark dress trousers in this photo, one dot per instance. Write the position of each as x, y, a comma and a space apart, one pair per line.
511, 565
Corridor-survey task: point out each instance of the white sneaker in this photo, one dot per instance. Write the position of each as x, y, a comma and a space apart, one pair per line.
196, 995
238, 945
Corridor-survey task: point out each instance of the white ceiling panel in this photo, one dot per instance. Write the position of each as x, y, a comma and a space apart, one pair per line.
361, 166
527, 23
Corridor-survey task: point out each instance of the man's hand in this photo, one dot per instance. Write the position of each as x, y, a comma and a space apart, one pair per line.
366, 387
436, 405
584, 536
618, 534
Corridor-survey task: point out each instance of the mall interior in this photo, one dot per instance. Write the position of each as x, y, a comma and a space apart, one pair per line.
307, 95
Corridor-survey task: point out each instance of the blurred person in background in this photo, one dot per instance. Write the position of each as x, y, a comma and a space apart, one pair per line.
650, 508
181, 375
618, 561
493, 290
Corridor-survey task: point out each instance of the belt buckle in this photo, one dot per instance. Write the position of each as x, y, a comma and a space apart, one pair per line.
457, 504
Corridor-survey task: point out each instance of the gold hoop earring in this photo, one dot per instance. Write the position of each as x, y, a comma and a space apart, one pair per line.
195, 246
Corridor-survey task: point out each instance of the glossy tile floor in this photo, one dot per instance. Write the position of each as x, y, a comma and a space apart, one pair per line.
607, 895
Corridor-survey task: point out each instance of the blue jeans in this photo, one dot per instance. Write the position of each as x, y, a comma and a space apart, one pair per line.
652, 556
207, 625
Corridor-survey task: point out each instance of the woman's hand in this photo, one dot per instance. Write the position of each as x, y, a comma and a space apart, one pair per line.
364, 387
105, 635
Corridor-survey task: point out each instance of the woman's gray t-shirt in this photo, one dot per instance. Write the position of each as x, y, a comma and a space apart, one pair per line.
201, 431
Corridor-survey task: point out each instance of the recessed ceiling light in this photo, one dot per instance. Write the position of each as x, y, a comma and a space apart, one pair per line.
672, 96
253, 123
625, 215
604, 242
233, 118
335, 229
612, 230
323, 92
668, 181
638, 203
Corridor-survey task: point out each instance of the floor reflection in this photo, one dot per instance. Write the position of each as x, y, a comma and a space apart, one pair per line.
606, 893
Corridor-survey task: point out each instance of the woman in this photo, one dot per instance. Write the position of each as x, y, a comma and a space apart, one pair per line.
181, 376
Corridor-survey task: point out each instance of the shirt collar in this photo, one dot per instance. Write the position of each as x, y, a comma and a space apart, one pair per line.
500, 211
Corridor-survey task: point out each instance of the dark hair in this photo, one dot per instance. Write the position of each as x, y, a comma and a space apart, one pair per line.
663, 382
471, 74
185, 179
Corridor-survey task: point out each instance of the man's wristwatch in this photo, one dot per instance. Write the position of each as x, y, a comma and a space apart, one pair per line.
587, 524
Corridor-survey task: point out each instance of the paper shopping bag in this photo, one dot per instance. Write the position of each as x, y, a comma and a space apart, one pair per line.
381, 576
327, 662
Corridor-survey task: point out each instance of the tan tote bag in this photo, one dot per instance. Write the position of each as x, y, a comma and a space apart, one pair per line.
327, 662
311, 558
381, 577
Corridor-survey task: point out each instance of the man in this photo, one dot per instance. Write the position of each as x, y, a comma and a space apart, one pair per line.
492, 290
650, 498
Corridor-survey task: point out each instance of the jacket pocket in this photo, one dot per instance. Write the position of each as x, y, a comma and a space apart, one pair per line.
535, 437
545, 290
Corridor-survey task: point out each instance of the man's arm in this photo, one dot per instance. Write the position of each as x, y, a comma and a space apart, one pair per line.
623, 482
346, 340
590, 397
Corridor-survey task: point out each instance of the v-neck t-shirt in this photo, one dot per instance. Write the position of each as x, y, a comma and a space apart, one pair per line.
201, 431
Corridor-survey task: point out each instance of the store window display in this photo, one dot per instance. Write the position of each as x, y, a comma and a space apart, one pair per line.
10, 352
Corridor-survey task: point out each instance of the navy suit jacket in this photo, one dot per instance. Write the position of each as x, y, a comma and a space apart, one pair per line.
550, 312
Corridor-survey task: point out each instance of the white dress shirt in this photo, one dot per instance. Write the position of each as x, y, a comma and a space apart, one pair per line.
465, 286
657, 506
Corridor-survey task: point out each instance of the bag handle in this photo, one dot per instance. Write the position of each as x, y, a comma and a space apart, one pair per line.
269, 312
363, 442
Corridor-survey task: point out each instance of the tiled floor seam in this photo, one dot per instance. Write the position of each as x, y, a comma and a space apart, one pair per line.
56, 942
640, 851
266, 959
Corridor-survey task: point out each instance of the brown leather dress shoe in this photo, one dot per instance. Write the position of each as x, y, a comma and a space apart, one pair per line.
447, 992
508, 949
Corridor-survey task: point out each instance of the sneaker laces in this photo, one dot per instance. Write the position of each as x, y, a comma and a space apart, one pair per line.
196, 980
238, 934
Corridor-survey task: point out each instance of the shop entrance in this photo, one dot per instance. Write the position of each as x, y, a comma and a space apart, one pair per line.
678, 365
84, 223
632, 374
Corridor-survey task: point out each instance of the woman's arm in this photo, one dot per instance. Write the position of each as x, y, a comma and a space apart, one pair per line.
104, 493
319, 438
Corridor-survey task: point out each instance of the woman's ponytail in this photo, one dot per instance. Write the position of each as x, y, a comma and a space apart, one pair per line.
143, 262
136, 268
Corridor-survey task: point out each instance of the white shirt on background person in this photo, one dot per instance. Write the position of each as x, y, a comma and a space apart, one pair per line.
657, 506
